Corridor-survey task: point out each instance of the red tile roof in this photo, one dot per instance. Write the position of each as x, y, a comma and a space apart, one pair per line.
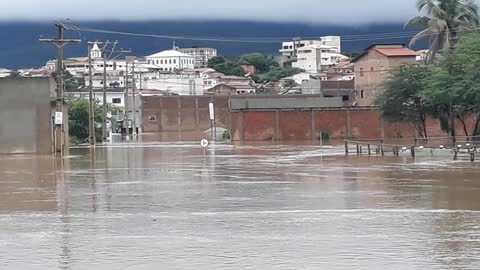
396, 52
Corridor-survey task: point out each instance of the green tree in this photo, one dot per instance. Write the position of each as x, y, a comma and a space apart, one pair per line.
453, 89
402, 100
216, 61
263, 63
230, 68
443, 23
278, 73
78, 118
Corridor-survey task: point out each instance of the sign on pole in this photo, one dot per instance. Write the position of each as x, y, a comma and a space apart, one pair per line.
58, 118
204, 143
211, 109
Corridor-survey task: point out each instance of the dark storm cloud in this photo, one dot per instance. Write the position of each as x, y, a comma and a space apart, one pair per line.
306, 11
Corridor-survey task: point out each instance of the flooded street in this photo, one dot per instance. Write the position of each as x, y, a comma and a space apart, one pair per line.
167, 206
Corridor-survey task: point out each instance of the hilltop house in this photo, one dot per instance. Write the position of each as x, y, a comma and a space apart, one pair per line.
372, 67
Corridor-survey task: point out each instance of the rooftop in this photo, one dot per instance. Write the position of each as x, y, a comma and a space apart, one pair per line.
389, 50
396, 51
169, 53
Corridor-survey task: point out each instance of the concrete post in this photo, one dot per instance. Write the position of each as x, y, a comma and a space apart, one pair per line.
277, 119
349, 124
312, 126
241, 127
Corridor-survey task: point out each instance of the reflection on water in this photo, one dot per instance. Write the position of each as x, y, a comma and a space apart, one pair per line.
169, 206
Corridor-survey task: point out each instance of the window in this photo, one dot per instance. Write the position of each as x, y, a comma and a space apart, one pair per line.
362, 94
371, 69
116, 100
345, 98
158, 62
170, 61
285, 47
174, 61
362, 72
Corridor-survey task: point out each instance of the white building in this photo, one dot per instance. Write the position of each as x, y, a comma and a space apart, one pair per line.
5, 72
115, 96
201, 55
315, 58
171, 61
184, 83
289, 48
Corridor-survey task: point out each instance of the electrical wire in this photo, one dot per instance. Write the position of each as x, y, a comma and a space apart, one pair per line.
351, 38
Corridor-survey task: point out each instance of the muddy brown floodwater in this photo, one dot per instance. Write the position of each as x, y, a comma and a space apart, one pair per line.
167, 206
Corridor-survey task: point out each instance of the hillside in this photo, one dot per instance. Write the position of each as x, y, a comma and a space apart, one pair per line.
20, 47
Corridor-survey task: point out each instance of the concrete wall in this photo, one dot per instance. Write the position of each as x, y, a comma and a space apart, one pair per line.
339, 123
26, 115
283, 102
181, 115
187, 118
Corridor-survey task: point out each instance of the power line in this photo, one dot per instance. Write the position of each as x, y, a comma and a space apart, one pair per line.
264, 40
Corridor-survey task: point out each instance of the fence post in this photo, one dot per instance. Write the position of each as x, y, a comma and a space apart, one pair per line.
369, 150
346, 148
412, 151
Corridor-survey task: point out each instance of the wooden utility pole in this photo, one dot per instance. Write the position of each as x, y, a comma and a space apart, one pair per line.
105, 107
134, 109
91, 109
127, 124
60, 42
104, 112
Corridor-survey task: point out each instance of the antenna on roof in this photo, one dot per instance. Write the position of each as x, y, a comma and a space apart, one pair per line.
175, 46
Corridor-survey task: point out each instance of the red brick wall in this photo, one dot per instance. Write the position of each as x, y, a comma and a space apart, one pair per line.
183, 113
258, 126
295, 126
366, 124
189, 115
332, 122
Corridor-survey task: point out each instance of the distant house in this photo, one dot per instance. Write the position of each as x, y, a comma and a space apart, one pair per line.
201, 55
249, 69
171, 60
5, 72
372, 68
231, 90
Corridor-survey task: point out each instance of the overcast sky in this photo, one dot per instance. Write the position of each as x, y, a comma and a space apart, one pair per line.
306, 11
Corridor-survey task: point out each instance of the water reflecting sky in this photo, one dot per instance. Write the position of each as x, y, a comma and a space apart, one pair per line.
167, 206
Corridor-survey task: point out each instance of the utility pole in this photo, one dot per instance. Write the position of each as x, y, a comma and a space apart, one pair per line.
104, 113
127, 134
60, 42
91, 111
134, 109
105, 107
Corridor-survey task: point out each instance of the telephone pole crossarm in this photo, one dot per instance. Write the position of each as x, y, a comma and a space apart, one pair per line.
59, 42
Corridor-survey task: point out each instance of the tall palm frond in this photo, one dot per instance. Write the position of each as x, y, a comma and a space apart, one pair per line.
445, 21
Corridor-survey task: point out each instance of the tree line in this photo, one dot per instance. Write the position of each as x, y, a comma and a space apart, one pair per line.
447, 85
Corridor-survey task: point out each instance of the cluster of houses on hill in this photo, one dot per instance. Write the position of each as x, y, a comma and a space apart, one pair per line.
184, 71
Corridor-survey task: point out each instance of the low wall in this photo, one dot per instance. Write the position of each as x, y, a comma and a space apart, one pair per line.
183, 115
26, 115
338, 123
250, 119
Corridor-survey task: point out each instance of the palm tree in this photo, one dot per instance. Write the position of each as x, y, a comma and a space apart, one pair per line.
444, 23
